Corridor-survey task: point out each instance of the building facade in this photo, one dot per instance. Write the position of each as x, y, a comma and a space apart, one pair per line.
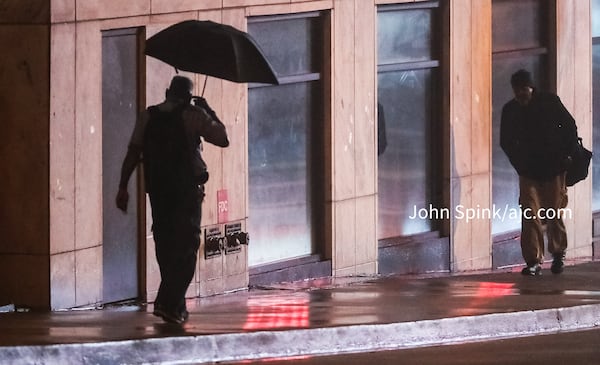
377, 152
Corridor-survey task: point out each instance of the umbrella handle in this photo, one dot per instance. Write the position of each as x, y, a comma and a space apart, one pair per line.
204, 88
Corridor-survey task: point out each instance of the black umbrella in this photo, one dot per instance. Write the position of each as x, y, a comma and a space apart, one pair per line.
212, 49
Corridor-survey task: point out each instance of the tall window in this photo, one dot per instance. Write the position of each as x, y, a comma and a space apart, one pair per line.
285, 143
409, 117
519, 40
596, 103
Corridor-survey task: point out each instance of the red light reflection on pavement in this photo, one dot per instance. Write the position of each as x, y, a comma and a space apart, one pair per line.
494, 290
483, 294
274, 312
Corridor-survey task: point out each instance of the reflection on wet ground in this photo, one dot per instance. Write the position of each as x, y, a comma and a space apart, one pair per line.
317, 303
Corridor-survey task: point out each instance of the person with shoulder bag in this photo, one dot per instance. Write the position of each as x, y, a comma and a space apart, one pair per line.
538, 135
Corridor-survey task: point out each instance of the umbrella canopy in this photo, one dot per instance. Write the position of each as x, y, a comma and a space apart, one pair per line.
211, 49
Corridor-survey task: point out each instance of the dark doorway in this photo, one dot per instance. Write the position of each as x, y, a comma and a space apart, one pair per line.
119, 111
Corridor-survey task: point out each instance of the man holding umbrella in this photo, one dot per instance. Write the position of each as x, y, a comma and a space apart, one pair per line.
168, 138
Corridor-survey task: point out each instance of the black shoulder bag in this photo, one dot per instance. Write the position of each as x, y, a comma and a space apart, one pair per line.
578, 170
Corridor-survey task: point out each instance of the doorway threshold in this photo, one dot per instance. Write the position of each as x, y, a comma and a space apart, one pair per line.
299, 268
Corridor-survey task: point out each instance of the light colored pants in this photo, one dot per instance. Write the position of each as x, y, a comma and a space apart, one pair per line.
542, 199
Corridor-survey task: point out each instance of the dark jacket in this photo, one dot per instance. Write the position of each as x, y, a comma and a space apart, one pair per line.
538, 138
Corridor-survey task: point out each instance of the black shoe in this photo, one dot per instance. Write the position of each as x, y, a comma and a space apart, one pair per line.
158, 310
557, 264
174, 317
171, 316
185, 315
533, 270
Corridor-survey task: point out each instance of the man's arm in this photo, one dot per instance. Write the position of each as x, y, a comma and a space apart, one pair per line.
506, 135
215, 133
509, 139
132, 158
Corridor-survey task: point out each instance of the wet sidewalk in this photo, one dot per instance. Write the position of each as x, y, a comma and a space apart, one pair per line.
314, 317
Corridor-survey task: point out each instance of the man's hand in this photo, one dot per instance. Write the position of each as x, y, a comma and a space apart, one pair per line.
122, 199
201, 102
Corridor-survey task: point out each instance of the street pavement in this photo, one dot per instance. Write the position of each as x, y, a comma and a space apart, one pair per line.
313, 318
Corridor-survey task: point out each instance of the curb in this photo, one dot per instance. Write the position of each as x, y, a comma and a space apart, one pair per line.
314, 341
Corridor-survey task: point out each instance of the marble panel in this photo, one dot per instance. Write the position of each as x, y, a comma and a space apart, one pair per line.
234, 170
171, 6
366, 230
343, 123
235, 282
344, 272
235, 116
236, 263
88, 276
481, 123
369, 268
167, 19
298, 6
481, 226
88, 136
583, 113
92, 9
62, 280
211, 268
129, 22
577, 219
364, 93
242, 3
344, 245
192, 290
213, 155
211, 287
62, 138
461, 235
62, 11
460, 87
261, 10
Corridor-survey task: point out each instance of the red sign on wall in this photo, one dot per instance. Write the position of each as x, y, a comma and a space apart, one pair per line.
222, 206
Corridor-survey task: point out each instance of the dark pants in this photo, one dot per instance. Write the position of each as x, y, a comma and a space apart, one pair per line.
548, 197
176, 228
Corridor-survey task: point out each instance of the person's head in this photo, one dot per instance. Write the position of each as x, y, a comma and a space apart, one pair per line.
180, 90
522, 86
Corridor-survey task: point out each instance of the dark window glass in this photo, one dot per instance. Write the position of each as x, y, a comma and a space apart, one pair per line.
518, 24
285, 125
289, 44
408, 177
405, 168
405, 38
279, 175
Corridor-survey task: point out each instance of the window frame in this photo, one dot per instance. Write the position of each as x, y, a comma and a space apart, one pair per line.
435, 152
318, 130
